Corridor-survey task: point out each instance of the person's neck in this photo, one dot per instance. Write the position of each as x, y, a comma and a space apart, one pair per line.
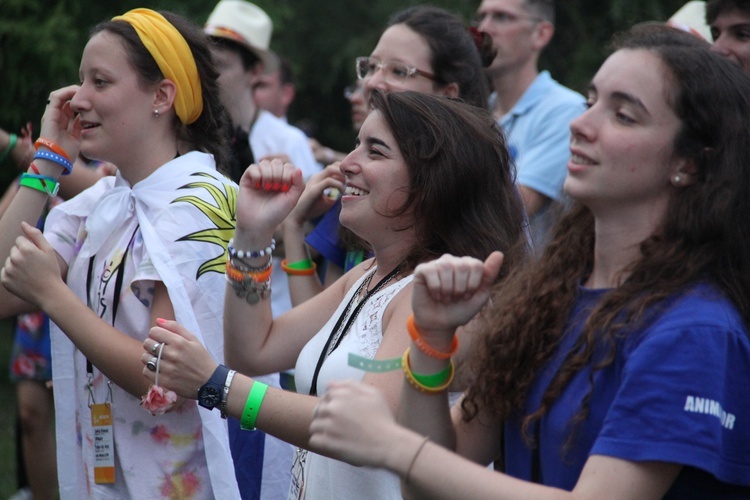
618, 239
244, 114
510, 86
390, 255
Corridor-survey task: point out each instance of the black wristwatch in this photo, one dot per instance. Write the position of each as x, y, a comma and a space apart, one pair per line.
209, 395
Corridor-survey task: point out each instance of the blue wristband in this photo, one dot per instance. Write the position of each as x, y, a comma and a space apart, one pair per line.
60, 160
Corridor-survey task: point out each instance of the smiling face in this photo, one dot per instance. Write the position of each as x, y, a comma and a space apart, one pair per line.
115, 111
401, 43
731, 33
622, 146
377, 181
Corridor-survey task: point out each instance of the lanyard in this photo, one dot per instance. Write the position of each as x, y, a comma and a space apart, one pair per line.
338, 334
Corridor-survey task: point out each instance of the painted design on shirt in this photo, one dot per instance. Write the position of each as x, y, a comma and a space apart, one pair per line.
223, 215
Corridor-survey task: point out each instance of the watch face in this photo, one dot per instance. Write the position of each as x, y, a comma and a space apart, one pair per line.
209, 397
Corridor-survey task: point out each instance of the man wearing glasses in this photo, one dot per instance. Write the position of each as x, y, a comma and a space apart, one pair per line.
534, 110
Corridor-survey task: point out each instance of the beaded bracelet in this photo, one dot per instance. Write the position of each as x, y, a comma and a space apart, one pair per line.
252, 406
52, 146
300, 268
416, 337
60, 160
421, 387
42, 183
251, 254
12, 141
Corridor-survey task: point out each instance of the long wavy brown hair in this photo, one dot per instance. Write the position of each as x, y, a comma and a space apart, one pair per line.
705, 237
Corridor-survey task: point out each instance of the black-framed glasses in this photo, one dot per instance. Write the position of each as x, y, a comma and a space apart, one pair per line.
394, 72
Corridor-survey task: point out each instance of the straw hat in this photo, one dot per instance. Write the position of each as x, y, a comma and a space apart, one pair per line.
245, 24
692, 18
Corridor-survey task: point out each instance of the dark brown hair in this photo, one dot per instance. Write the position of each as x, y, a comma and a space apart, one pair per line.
704, 237
461, 186
210, 131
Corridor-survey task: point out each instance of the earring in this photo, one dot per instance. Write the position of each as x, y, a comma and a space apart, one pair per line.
156, 113
677, 179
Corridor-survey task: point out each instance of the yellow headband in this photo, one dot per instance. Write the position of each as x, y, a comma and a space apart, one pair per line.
173, 56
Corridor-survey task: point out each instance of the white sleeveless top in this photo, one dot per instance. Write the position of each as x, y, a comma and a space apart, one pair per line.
326, 478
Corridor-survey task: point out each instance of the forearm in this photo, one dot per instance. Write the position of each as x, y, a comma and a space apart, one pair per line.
437, 473
301, 287
27, 206
416, 404
283, 414
115, 354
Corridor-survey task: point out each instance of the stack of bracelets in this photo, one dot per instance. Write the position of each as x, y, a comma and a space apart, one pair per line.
434, 383
44, 183
249, 282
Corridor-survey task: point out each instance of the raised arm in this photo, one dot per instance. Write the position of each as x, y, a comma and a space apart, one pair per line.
61, 128
255, 343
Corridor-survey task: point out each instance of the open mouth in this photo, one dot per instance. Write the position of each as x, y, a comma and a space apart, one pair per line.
580, 160
355, 191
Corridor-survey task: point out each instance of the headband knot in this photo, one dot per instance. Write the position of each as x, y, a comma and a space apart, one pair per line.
172, 54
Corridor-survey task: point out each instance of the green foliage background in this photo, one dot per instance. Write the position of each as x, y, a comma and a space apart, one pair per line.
41, 42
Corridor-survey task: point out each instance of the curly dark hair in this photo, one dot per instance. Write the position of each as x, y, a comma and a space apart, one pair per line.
210, 132
703, 238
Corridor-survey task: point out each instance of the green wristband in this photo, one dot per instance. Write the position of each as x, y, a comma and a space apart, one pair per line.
300, 265
12, 140
252, 406
435, 380
46, 185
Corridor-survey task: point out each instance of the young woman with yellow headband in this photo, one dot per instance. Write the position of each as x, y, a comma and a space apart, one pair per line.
149, 243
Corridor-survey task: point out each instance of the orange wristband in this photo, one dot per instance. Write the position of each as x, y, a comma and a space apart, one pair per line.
292, 271
416, 337
52, 147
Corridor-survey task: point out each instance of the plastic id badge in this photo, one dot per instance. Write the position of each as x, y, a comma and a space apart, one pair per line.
104, 443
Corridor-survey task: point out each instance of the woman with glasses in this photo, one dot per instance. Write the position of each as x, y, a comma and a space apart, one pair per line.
423, 49
428, 176
616, 366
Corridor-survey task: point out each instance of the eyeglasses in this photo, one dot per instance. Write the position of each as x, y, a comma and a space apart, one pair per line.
394, 72
503, 18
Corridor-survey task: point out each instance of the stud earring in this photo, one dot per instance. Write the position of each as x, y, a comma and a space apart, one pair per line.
156, 113
677, 179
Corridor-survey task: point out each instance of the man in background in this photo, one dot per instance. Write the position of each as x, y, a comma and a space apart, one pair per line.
534, 110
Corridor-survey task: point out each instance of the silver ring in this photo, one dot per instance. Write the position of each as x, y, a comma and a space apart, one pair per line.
151, 365
155, 348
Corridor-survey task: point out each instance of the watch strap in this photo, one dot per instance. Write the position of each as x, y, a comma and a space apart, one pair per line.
225, 393
215, 383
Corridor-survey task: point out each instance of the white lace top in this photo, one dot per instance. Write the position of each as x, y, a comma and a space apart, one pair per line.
326, 478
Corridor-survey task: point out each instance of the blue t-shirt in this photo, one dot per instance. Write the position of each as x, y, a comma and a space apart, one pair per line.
677, 391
